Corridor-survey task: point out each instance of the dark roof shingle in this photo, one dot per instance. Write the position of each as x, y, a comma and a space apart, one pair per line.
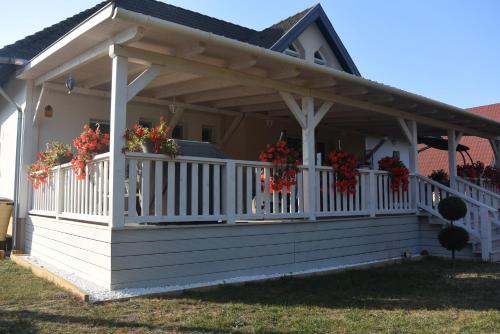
32, 45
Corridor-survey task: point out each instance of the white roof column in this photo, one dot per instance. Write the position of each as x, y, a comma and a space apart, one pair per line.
453, 141
409, 129
495, 146
118, 125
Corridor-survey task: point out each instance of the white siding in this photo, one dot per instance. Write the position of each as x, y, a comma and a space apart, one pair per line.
387, 148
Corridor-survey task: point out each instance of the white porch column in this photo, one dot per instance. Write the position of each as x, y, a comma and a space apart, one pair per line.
409, 129
495, 146
308, 157
118, 117
452, 157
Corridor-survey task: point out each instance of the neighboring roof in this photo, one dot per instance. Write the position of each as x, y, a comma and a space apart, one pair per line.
31, 46
480, 149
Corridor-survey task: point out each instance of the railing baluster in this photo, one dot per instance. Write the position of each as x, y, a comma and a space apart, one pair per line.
132, 188
183, 189
194, 189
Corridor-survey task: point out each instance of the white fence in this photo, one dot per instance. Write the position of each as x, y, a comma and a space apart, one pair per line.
478, 193
67, 197
479, 219
194, 189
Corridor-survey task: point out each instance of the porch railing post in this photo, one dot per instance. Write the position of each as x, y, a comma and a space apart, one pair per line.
372, 191
118, 118
229, 192
486, 240
59, 191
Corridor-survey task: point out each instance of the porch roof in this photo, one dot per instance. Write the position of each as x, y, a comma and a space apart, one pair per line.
217, 74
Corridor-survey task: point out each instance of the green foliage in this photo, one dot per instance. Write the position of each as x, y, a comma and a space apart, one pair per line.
453, 238
452, 208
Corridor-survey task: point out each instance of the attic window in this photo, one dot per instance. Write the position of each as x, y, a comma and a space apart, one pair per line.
291, 50
319, 59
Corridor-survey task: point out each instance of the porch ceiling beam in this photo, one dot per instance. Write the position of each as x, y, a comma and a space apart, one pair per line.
39, 104
172, 78
406, 130
262, 107
142, 81
106, 78
147, 100
322, 111
232, 128
287, 73
190, 51
294, 108
124, 37
186, 65
190, 87
223, 94
265, 96
242, 63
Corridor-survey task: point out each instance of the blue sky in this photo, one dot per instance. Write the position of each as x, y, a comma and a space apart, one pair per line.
447, 50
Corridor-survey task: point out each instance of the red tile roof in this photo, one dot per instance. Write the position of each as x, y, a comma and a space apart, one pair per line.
480, 149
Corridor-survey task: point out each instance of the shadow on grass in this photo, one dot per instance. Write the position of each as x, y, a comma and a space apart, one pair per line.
27, 322
431, 284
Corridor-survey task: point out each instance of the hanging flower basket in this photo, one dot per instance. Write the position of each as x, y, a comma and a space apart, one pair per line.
154, 140
472, 171
285, 162
399, 174
344, 170
41, 170
491, 175
89, 144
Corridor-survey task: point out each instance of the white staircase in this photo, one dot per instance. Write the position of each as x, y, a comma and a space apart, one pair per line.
482, 220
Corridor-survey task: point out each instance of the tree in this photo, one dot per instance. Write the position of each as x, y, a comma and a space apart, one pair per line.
453, 238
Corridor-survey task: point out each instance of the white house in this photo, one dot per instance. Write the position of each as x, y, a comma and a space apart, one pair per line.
142, 220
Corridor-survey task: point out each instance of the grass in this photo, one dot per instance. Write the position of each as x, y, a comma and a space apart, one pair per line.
430, 296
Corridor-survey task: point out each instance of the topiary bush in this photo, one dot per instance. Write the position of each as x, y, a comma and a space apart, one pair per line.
453, 238
452, 208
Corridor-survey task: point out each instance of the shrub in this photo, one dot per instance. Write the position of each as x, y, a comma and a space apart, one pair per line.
452, 208
440, 176
453, 238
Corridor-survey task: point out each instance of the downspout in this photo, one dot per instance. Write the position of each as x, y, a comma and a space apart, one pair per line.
18, 163
16, 62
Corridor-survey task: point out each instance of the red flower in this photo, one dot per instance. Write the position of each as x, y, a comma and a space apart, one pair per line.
285, 166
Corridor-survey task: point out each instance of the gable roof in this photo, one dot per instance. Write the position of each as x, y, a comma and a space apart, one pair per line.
479, 148
270, 38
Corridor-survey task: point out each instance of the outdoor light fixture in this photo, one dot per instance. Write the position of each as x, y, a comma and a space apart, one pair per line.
70, 84
269, 123
172, 106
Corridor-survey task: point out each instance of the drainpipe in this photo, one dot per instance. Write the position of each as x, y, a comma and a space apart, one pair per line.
17, 62
18, 163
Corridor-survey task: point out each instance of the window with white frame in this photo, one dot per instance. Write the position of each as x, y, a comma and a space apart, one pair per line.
319, 58
292, 50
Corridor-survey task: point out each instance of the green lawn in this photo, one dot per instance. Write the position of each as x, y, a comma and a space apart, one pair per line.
430, 296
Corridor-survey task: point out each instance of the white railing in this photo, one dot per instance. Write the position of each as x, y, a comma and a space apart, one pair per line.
479, 218
192, 189
64, 196
478, 193
254, 200
160, 189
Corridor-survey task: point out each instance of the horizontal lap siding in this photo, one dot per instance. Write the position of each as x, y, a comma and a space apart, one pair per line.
71, 247
179, 256
429, 242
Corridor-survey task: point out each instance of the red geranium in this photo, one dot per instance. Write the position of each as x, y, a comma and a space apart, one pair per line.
492, 175
344, 169
285, 162
88, 144
398, 172
471, 171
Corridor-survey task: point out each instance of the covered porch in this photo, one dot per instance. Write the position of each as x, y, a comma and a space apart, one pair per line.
135, 205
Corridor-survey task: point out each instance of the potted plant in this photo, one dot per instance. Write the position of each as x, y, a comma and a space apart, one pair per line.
453, 238
344, 169
440, 176
398, 173
472, 171
55, 154
151, 140
285, 162
492, 175
88, 144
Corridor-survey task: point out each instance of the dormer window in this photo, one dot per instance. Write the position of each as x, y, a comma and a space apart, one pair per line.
319, 59
291, 50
